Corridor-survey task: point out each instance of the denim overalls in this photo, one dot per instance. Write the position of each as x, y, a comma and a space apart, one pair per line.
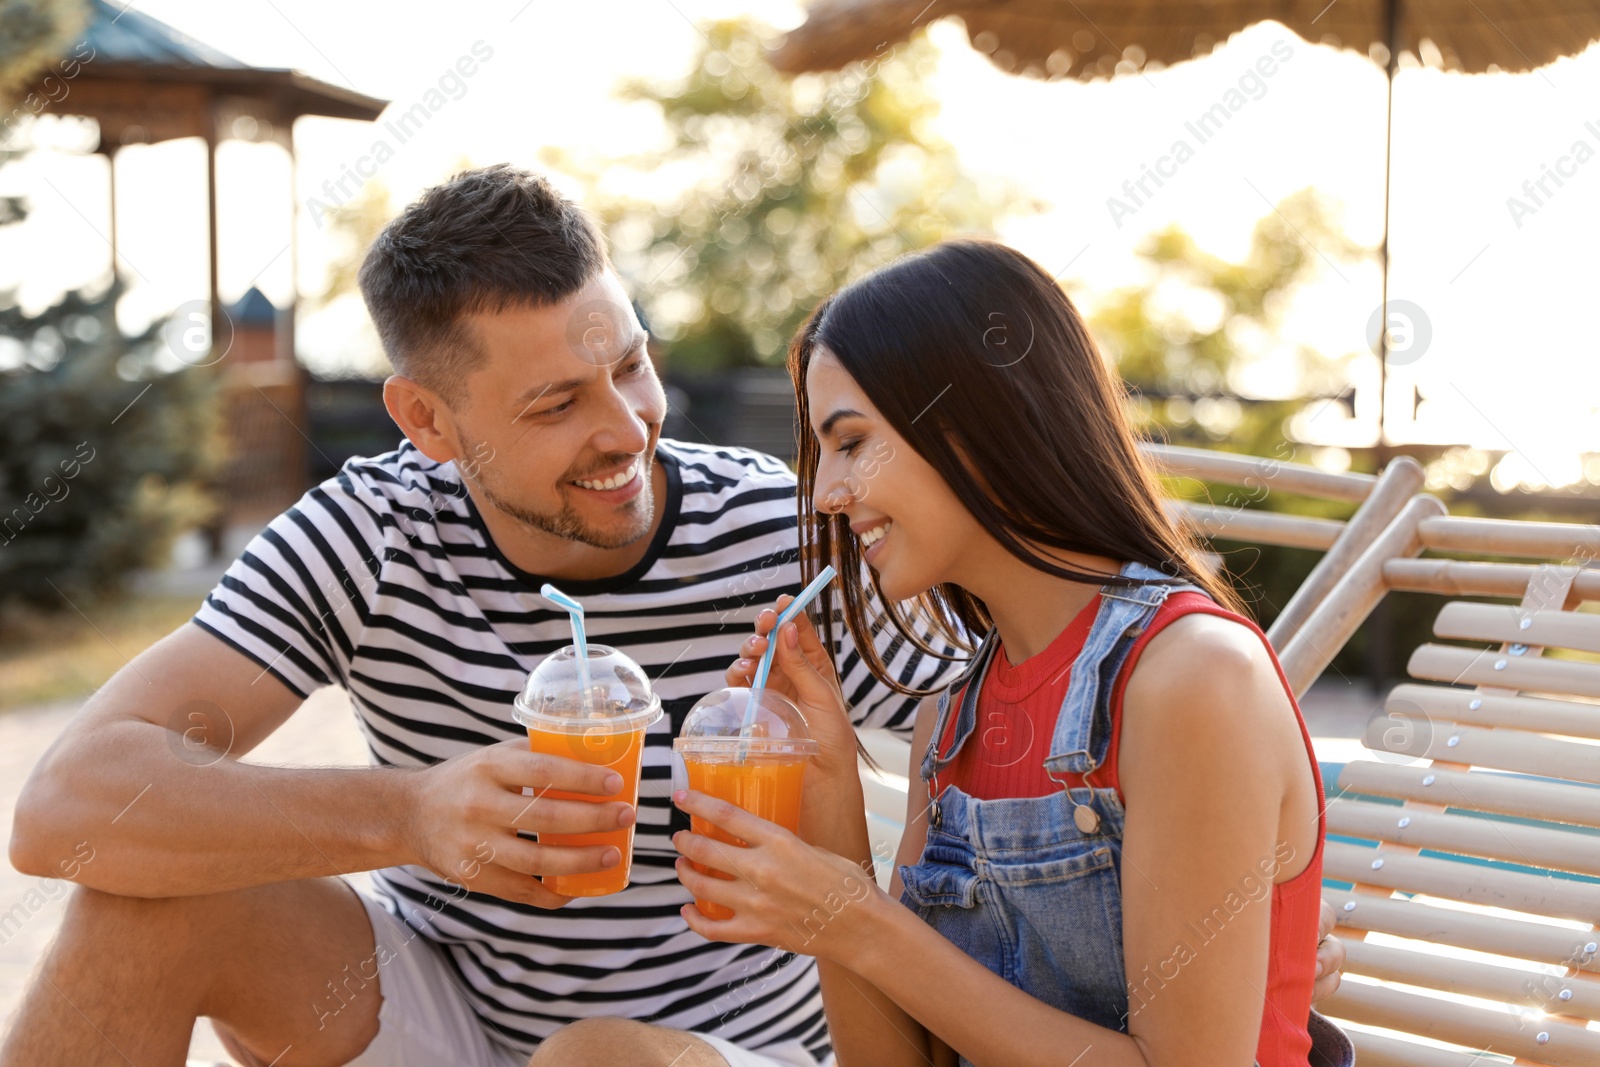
1030, 886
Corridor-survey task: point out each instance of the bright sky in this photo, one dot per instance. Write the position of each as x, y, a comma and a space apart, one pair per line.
1512, 360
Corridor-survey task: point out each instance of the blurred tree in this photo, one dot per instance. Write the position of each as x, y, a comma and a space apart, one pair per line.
33, 33
788, 189
1186, 339
104, 451
353, 227
347, 346
36, 32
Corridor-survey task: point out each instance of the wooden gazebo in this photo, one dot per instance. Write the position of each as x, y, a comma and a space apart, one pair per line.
144, 82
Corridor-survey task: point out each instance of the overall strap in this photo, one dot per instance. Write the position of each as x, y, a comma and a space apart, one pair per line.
1083, 725
968, 683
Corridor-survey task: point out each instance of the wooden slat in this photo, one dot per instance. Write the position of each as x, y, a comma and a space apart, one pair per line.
1512, 537
1397, 484
1472, 883
1507, 750
1454, 577
1501, 729
1487, 981
1467, 835
1517, 938
1256, 525
1529, 798
1464, 621
1381, 1050
1565, 1044
1467, 666
1254, 471
1330, 625
1535, 714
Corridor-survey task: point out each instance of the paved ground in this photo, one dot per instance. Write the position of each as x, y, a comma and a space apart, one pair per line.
323, 732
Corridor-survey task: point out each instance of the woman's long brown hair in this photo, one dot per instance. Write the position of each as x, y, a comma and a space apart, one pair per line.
981, 363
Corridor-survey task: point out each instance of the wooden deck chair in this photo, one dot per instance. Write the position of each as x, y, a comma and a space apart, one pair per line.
1387, 563
1471, 841
1380, 498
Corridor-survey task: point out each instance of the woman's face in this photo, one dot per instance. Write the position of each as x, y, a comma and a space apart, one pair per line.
910, 527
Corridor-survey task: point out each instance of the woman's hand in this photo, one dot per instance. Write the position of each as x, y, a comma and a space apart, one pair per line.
743, 670
802, 670
833, 809
782, 891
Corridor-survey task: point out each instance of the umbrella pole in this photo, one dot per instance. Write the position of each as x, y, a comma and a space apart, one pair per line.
1392, 18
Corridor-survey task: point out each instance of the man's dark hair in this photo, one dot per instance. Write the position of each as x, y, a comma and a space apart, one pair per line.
486, 240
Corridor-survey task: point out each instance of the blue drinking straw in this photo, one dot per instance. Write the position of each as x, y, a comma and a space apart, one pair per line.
796, 606
580, 643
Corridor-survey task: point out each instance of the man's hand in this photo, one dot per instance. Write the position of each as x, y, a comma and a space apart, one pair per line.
464, 815
1330, 956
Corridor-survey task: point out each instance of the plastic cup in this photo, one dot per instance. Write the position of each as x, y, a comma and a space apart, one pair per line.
603, 724
761, 771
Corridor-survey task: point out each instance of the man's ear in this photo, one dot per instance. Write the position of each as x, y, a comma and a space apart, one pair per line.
422, 417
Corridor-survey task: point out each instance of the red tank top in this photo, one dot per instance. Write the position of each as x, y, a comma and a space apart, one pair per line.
1017, 710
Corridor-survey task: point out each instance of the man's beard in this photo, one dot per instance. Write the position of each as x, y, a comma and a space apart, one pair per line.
636, 515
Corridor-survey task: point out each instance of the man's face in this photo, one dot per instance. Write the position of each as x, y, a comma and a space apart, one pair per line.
558, 424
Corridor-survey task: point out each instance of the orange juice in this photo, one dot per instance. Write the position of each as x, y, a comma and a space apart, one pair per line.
764, 785
622, 752
593, 709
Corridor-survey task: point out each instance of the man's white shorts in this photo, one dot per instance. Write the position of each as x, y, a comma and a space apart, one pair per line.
425, 1020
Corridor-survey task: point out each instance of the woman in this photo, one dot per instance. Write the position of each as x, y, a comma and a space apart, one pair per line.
1113, 846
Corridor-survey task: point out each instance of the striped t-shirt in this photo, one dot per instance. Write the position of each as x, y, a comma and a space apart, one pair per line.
384, 580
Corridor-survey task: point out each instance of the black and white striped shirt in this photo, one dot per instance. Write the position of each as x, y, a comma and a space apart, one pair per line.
384, 580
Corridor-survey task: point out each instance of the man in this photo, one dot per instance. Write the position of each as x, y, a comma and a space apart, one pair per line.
532, 417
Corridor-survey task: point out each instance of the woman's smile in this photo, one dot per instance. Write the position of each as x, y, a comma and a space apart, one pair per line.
871, 536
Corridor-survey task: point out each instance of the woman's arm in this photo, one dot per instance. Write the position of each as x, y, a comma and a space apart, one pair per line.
1221, 805
1203, 768
800, 898
866, 1025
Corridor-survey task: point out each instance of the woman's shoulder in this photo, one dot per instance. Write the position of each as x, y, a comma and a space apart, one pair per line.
1191, 631
1202, 657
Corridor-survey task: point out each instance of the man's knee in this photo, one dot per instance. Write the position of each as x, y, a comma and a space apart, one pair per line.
606, 1042
347, 1047
165, 925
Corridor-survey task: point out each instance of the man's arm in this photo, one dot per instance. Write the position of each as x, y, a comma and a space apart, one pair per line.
147, 777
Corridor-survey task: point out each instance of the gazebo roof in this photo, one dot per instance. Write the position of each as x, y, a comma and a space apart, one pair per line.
145, 81
253, 309
129, 36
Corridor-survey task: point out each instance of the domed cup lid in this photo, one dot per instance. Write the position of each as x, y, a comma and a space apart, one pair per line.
713, 726
618, 697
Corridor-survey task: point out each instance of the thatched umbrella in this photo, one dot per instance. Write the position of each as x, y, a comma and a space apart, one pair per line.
1091, 39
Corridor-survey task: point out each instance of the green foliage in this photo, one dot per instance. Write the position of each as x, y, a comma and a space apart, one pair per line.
104, 453
1182, 338
354, 226
798, 186
36, 32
